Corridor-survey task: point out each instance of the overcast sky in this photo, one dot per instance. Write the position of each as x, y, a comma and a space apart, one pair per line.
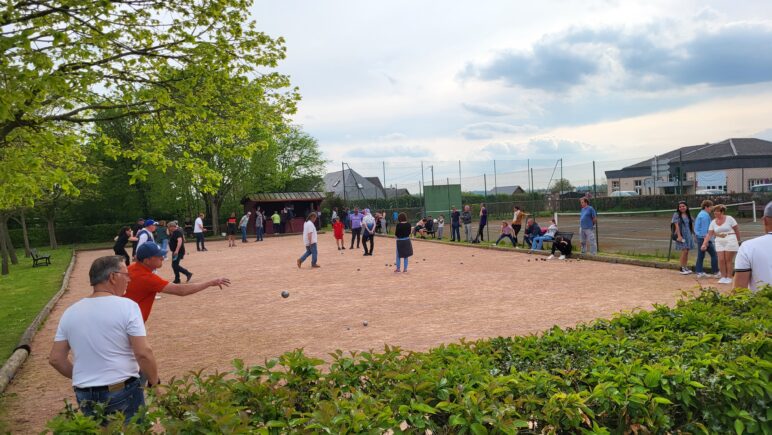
512, 80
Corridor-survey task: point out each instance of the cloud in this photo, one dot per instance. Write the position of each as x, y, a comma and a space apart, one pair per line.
650, 57
488, 109
382, 152
487, 130
764, 134
538, 147
392, 137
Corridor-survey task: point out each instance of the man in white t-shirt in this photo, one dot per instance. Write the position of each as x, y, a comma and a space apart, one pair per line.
198, 231
368, 235
309, 238
753, 264
108, 341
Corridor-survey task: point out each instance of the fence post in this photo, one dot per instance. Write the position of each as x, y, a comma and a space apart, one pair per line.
495, 180
485, 186
423, 193
528, 176
343, 173
594, 186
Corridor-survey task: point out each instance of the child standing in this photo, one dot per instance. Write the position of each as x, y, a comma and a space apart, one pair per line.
440, 226
404, 246
337, 231
506, 231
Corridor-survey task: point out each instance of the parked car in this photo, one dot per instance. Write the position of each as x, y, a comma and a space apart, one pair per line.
710, 192
621, 193
759, 188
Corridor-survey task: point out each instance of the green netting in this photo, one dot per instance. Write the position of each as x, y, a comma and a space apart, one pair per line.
439, 199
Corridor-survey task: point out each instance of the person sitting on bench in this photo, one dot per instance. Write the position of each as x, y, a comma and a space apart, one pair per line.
562, 244
420, 229
539, 240
532, 230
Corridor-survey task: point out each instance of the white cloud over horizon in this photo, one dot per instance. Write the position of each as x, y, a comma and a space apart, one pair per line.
579, 80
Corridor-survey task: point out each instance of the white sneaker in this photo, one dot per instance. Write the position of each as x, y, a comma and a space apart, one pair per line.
685, 271
725, 281
562, 257
701, 275
550, 257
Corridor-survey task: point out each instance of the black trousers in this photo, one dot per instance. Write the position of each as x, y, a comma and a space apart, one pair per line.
367, 237
517, 229
356, 233
480, 232
124, 254
178, 269
199, 241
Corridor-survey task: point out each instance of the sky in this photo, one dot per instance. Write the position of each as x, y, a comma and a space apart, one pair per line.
399, 82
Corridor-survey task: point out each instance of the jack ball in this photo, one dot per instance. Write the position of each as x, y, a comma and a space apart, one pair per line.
365, 323
285, 294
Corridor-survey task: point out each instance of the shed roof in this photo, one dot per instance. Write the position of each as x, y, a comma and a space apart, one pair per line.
283, 196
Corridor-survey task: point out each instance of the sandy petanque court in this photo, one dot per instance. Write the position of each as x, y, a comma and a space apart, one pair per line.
449, 292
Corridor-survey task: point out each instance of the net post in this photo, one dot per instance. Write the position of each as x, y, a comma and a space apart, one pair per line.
754, 210
555, 215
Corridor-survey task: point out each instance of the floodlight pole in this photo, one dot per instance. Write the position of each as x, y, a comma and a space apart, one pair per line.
495, 180
423, 183
385, 194
528, 176
560, 198
594, 185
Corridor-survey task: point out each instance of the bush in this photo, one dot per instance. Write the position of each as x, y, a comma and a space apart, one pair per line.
67, 234
700, 367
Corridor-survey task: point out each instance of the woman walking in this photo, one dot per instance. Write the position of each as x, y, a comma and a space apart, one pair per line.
124, 236
404, 245
727, 234
683, 233
162, 237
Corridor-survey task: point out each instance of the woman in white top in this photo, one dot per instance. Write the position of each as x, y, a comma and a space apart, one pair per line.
724, 228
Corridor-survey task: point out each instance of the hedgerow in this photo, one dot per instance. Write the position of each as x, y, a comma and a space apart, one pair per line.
702, 366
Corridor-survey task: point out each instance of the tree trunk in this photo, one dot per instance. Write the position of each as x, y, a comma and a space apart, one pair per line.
215, 209
3, 249
8, 242
51, 232
27, 251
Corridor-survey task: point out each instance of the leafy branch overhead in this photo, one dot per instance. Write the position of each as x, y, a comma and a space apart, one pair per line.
67, 64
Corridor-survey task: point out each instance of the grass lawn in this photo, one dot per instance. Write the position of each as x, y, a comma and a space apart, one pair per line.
24, 292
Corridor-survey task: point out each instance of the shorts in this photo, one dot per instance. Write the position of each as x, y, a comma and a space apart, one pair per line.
727, 244
231, 229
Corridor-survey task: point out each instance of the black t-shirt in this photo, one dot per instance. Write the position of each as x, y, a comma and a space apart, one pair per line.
402, 230
455, 216
177, 234
123, 239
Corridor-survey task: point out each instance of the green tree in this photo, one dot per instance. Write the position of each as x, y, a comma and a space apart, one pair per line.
561, 185
292, 162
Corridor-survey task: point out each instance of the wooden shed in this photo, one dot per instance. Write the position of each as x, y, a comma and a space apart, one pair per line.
299, 204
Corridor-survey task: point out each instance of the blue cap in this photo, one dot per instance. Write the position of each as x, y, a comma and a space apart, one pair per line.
149, 222
147, 250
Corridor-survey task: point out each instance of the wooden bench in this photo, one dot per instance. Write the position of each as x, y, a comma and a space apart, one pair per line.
40, 259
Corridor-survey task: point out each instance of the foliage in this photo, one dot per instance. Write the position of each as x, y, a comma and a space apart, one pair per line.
24, 293
700, 367
70, 63
561, 185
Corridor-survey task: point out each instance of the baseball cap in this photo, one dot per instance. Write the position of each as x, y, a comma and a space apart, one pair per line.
768, 209
147, 250
149, 222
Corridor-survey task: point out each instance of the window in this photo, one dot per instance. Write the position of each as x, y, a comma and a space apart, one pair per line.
638, 183
756, 181
614, 186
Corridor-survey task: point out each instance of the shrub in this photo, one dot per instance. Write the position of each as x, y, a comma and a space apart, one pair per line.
700, 367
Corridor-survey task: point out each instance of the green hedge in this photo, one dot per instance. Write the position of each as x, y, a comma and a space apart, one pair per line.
701, 367
67, 234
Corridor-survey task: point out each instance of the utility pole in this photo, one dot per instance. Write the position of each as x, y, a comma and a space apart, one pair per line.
384, 180
343, 172
432, 168
423, 183
495, 179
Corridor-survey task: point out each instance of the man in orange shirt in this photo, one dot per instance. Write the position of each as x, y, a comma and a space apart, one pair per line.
145, 284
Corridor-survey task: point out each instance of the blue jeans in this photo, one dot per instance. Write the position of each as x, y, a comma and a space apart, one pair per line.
587, 239
243, 234
701, 256
258, 234
538, 242
504, 236
455, 232
164, 245
310, 250
128, 400
397, 263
